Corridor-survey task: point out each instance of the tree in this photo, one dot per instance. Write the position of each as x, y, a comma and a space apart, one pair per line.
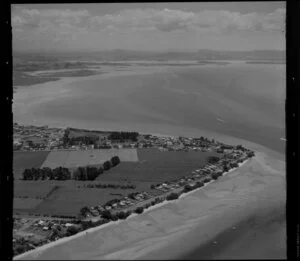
215, 175
121, 215
115, 160
139, 210
72, 231
106, 214
172, 196
27, 174
188, 188
106, 165
199, 184
207, 179
225, 168
84, 211
213, 159
100, 171
250, 154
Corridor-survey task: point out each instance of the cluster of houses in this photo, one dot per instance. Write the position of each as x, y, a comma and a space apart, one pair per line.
32, 138
119, 204
44, 138
232, 156
47, 225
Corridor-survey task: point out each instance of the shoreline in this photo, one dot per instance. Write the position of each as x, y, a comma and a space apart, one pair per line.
98, 228
204, 212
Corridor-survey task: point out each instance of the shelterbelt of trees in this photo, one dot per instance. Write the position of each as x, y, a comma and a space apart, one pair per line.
121, 136
61, 173
93, 139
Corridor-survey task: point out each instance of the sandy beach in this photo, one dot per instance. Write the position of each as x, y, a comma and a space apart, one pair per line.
250, 199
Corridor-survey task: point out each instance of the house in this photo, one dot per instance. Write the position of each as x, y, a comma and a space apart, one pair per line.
45, 228
41, 222
69, 225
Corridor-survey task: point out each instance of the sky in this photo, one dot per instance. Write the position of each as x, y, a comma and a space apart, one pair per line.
149, 26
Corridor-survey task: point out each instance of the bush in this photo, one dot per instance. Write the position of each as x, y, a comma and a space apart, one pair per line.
250, 154
172, 196
114, 217
121, 215
72, 231
86, 225
213, 159
188, 188
139, 210
106, 214
215, 175
148, 205
199, 184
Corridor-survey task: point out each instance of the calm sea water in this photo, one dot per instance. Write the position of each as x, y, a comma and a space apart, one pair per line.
240, 100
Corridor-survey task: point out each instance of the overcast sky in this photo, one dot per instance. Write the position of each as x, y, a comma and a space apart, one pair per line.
149, 26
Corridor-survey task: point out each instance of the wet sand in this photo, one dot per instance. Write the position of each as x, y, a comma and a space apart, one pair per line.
180, 101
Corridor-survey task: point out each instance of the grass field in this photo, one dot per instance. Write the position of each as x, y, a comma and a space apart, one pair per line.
28, 159
153, 166
69, 201
26, 204
33, 189
157, 166
71, 159
56, 159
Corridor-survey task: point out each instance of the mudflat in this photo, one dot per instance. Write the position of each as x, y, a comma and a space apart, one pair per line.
175, 100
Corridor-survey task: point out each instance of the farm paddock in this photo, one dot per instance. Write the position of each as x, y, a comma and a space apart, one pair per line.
72, 158
27, 159
156, 166
68, 197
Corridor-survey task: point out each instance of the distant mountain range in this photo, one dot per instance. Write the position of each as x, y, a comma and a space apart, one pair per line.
204, 54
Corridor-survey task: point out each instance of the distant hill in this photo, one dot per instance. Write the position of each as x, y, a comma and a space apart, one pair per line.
120, 54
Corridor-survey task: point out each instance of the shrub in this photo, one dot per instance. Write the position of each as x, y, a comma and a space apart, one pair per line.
139, 210
114, 217
121, 215
215, 176
172, 196
188, 188
106, 214
148, 205
86, 225
250, 154
213, 159
72, 231
200, 184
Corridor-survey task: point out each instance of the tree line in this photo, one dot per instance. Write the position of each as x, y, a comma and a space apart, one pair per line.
114, 186
121, 136
61, 173
87, 140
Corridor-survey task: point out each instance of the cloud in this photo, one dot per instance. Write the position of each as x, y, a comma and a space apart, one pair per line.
72, 24
167, 20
